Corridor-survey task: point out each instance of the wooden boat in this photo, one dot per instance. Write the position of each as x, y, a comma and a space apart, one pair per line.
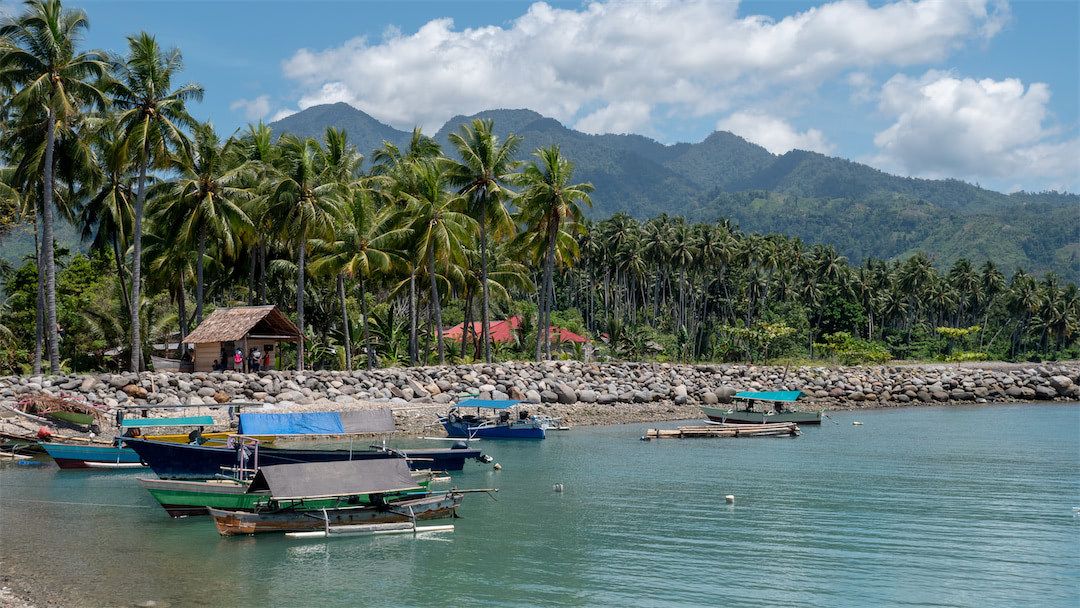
781, 429
187, 461
164, 364
298, 493
749, 412
501, 423
186, 498
104, 455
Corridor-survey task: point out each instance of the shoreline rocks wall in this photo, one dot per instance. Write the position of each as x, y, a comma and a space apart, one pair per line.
592, 393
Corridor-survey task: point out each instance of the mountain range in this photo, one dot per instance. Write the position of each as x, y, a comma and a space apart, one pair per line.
820, 199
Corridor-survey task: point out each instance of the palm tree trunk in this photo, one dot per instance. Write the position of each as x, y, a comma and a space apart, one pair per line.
262, 272
367, 336
251, 276
39, 304
300, 303
436, 307
344, 322
542, 331
182, 312
136, 264
199, 274
53, 342
412, 318
486, 329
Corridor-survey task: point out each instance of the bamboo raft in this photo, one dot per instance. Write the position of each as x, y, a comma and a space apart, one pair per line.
780, 429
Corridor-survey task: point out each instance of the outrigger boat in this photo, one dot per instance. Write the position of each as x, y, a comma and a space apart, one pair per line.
92, 455
186, 498
361, 492
501, 423
748, 413
177, 461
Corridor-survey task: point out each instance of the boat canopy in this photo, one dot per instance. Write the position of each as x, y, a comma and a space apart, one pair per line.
329, 479
318, 423
182, 421
769, 395
488, 403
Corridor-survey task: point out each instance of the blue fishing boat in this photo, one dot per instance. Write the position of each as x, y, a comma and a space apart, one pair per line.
189, 461
501, 422
763, 407
105, 455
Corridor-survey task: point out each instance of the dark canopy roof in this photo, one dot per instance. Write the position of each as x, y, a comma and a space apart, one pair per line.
232, 324
327, 479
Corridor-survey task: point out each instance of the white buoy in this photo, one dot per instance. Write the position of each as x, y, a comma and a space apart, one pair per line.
497, 466
557, 487
730, 498
856, 424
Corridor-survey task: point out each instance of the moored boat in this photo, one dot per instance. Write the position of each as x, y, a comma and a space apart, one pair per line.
502, 423
104, 455
186, 498
768, 407
298, 495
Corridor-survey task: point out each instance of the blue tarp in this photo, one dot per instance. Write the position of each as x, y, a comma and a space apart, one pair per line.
310, 423
770, 396
488, 403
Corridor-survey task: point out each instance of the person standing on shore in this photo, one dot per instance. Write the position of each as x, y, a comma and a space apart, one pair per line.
238, 361
256, 357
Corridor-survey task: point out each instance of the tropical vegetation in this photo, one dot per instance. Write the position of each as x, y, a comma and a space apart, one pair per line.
374, 263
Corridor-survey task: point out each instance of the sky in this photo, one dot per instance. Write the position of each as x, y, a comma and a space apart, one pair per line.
984, 91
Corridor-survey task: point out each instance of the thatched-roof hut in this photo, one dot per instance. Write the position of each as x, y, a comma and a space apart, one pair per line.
244, 329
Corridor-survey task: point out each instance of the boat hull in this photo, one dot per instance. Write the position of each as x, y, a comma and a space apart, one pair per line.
185, 461
733, 416
234, 523
527, 430
182, 498
68, 456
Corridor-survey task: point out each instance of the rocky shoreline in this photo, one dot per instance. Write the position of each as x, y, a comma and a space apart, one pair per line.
579, 393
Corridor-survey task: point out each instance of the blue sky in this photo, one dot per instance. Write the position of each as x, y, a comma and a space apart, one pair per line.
979, 90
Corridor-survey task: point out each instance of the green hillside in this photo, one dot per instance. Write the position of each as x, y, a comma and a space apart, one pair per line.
820, 199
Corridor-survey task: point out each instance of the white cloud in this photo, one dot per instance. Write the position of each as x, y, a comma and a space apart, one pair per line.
978, 129
694, 57
621, 117
281, 114
774, 134
252, 109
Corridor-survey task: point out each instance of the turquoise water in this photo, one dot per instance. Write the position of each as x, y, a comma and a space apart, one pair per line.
942, 506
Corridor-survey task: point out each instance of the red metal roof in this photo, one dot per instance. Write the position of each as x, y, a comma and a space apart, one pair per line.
503, 331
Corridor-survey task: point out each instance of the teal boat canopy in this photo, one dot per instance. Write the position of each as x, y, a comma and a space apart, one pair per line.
488, 403
769, 395
182, 421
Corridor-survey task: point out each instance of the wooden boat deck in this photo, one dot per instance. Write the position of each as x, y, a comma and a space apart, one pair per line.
782, 429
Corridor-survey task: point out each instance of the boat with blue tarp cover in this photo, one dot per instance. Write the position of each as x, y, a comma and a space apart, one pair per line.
175, 461
762, 407
505, 421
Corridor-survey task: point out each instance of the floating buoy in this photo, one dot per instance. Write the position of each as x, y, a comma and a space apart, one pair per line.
856, 424
497, 466
557, 487
730, 498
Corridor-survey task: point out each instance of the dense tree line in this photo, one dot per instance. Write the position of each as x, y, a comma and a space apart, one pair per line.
371, 261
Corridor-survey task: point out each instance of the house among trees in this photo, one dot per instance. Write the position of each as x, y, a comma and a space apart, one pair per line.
242, 328
506, 331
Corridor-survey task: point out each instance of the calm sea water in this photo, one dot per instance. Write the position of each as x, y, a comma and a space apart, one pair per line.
940, 506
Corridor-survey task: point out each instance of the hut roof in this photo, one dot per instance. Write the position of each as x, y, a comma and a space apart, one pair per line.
231, 324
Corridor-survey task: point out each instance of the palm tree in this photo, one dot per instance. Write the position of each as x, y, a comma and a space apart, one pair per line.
439, 231
106, 219
205, 200
306, 202
151, 116
40, 64
363, 248
485, 168
548, 200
